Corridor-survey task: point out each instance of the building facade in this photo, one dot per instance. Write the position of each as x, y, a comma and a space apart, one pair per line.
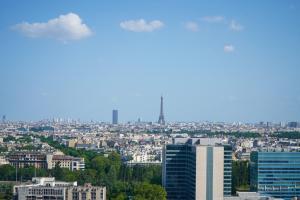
69, 162
47, 188
27, 159
196, 170
45, 160
275, 173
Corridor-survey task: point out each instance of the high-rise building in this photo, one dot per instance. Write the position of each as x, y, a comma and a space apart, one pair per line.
275, 173
227, 169
197, 169
3, 118
115, 117
161, 119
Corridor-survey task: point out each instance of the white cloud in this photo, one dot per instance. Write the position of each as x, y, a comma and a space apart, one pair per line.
233, 25
141, 25
64, 28
229, 48
213, 19
192, 26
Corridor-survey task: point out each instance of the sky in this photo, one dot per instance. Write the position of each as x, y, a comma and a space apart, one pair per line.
230, 60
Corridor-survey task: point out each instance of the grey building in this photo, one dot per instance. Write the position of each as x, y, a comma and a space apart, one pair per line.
115, 117
197, 168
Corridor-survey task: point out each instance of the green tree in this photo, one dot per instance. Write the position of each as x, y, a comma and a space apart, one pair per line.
148, 191
240, 176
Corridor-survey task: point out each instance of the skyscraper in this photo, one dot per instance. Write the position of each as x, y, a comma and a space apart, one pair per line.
196, 169
115, 117
275, 173
161, 119
3, 119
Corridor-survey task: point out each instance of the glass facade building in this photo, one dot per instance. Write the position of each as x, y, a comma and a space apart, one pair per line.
276, 174
179, 172
227, 169
180, 165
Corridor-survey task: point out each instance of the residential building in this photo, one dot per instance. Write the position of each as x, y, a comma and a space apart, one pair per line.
69, 162
45, 160
26, 159
275, 172
71, 143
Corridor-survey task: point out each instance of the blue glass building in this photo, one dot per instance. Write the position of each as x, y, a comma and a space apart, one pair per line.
276, 174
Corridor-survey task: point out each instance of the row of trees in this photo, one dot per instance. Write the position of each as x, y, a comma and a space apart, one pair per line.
289, 135
240, 176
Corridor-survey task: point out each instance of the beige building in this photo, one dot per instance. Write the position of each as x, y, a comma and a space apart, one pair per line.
209, 172
3, 160
72, 143
69, 162
86, 192
44, 160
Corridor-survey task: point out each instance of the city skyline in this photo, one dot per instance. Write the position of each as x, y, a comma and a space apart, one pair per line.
212, 61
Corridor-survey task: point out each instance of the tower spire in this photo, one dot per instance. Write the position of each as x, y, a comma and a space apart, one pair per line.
161, 119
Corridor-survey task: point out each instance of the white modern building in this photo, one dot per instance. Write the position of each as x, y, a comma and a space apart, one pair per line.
48, 188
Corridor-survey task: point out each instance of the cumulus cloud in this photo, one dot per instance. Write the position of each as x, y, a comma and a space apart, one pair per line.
228, 48
141, 25
213, 19
192, 26
233, 25
64, 28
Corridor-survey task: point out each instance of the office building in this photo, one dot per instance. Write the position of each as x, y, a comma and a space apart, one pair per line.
196, 169
115, 117
275, 172
227, 169
48, 188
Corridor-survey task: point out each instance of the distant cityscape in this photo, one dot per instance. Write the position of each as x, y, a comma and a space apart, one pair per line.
195, 160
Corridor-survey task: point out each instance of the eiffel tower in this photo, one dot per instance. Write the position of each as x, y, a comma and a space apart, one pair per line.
161, 119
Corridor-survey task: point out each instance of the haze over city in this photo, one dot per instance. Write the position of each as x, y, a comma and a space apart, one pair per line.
217, 61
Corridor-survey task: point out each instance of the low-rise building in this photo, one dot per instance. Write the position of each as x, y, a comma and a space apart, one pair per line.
27, 159
48, 188
44, 160
69, 162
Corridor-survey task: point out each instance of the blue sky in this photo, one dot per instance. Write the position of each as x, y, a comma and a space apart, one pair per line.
211, 60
